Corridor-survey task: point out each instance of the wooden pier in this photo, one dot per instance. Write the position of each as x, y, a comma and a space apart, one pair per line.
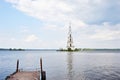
27, 75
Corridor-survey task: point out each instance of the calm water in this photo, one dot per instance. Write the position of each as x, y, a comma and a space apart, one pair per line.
64, 65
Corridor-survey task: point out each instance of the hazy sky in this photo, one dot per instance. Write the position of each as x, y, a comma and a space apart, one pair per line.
44, 23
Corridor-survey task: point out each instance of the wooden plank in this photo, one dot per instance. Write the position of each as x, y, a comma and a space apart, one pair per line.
25, 75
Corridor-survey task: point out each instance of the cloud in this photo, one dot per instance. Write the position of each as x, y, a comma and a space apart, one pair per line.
106, 35
31, 38
53, 10
95, 11
107, 32
97, 36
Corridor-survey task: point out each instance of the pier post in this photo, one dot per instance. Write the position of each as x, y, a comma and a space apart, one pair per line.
43, 73
41, 65
17, 67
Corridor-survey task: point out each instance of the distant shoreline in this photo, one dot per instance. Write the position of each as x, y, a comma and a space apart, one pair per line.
84, 49
3, 49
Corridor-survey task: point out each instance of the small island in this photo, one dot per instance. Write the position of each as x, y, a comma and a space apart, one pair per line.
69, 49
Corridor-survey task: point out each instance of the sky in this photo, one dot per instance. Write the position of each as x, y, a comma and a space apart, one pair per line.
43, 24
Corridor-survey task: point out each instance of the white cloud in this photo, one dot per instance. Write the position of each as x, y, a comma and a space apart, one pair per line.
31, 38
106, 32
45, 10
60, 11
106, 35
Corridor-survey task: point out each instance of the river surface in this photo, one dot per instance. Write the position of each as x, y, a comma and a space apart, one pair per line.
93, 65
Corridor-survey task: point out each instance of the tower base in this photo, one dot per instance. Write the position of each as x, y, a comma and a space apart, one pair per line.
69, 50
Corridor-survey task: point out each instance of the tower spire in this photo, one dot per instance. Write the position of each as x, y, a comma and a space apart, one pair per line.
70, 39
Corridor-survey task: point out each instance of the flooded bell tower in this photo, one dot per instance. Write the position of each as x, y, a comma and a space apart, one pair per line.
70, 39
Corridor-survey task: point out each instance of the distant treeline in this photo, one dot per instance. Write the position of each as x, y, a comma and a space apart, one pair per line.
99, 49
20, 49
12, 49
89, 49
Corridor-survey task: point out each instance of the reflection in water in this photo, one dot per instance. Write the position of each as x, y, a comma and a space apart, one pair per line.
104, 71
70, 66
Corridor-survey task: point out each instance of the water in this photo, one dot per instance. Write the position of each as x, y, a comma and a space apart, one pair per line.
64, 65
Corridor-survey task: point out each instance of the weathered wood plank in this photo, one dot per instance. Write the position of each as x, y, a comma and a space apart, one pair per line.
25, 75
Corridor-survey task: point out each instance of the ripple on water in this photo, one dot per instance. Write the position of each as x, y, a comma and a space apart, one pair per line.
101, 73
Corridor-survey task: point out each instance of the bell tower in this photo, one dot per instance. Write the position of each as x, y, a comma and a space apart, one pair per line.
70, 45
